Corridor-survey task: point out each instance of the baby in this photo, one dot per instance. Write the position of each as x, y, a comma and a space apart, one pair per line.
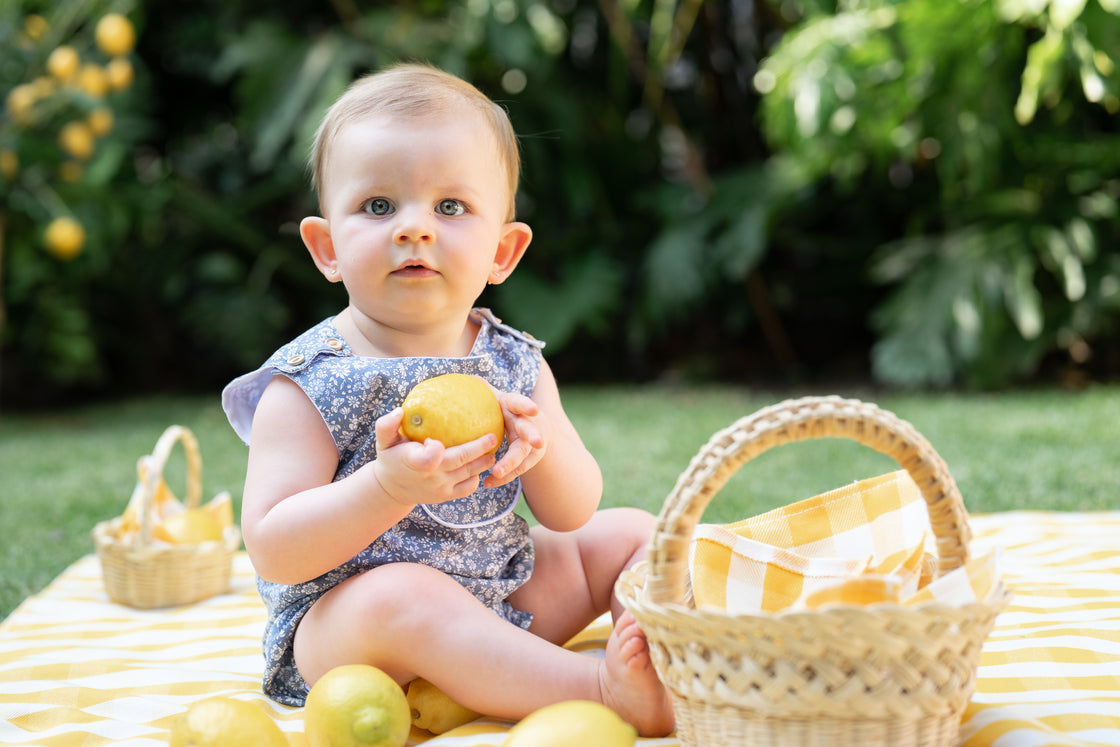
408, 556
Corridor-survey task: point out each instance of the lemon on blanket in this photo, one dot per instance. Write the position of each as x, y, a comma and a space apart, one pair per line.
572, 722
356, 705
434, 710
226, 722
453, 409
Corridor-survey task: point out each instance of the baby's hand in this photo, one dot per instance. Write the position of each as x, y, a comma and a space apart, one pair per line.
525, 433
412, 473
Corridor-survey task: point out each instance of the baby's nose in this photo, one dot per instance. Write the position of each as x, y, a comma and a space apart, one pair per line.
412, 227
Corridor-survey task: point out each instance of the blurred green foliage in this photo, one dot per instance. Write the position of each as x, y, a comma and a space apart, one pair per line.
922, 191
996, 122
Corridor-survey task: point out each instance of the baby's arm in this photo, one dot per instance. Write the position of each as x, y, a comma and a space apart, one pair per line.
560, 477
298, 524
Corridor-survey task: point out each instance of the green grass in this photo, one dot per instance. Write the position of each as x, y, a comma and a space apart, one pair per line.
61, 473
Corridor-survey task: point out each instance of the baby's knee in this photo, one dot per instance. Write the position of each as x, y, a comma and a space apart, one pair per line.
632, 523
388, 594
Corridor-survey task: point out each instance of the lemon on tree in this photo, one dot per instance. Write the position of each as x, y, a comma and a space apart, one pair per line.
356, 705
119, 73
572, 722
63, 63
226, 722
21, 103
115, 35
453, 409
77, 140
64, 238
100, 121
9, 163
93, 81
35, 26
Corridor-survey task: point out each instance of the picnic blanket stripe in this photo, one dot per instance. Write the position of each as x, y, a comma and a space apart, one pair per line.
78, 671
1049, 673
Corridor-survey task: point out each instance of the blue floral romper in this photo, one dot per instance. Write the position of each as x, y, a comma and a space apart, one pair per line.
477, 540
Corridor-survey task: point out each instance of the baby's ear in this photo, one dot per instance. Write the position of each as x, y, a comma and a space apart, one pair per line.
512, 244
316, 234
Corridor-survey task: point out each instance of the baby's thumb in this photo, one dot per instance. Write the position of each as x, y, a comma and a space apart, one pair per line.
387, 429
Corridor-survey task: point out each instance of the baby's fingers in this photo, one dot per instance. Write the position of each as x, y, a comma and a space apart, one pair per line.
520, 419
514, 463
387, 429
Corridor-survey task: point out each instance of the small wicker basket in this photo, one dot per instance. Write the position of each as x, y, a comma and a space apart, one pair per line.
847, 675
147, 574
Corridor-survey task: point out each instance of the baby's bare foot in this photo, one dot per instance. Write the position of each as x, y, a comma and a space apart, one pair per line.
629, 682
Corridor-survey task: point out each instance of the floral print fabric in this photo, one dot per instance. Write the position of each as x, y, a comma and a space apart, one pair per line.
476, 540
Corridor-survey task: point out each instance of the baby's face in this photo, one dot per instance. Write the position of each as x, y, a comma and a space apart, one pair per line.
416, 209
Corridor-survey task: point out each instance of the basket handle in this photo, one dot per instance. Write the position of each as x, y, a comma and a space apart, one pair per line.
788, 422
155, 463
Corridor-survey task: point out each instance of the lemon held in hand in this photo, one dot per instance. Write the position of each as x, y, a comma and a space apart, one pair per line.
356, 705
225, 722
453, 409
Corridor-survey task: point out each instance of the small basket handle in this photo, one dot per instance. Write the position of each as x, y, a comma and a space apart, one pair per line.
155, 464
788, 422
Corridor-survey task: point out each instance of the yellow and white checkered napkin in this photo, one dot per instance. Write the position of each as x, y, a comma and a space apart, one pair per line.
866, 542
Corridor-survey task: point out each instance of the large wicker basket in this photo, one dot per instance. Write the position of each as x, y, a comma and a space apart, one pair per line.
147, 574
847, 675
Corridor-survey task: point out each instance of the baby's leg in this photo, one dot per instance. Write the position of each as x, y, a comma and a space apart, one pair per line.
413, 621
574, 573
573, 580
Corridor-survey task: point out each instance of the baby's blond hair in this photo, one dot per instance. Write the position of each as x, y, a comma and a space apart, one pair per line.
414, 91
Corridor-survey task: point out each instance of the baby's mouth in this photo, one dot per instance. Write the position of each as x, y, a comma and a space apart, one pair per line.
414, 270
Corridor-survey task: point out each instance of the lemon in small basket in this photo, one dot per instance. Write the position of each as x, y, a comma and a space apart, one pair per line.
192, 526
356, 705
226, 722
452, 409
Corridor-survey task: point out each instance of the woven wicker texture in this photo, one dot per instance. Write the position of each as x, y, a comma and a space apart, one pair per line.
149, 575
884, 674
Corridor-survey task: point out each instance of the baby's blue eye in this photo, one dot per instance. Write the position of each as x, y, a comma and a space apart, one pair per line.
450, 207
378, 206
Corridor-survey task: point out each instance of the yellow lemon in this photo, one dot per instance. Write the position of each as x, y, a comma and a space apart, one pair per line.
21, 103
9, 163
858, 590
572, 722
164, 504
94, 81
434, 710
100, 121
221, 508
453, 409
189, 527
225, 722
119, 72
64, 238
63, 63
114, 34
77, 139
35, 26
356, 705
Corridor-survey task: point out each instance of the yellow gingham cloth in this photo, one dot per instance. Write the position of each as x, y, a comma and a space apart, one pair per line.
868, 541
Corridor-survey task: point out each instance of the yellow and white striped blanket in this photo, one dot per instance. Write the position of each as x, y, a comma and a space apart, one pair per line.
77, 670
